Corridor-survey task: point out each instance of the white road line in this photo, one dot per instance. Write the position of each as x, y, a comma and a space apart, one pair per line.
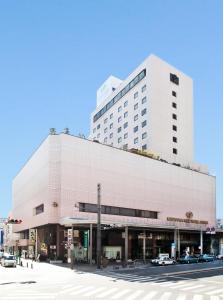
65, 291
181, 297
150, 296
165, 296
214, 298
82, 290
120, 294
197, 297
166, 284
214, 292
192, 287
23, 297
176, 286
106, 293
134, 295
95, 291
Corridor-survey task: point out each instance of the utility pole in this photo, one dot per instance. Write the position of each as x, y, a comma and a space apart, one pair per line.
99, 226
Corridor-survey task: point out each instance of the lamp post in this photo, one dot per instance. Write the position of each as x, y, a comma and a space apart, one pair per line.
99, 226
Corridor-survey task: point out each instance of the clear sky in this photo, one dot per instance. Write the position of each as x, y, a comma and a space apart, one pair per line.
55, 54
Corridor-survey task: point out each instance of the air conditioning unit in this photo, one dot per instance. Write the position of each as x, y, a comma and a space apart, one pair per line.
55, 204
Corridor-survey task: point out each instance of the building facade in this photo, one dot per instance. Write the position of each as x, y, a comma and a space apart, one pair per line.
166, 204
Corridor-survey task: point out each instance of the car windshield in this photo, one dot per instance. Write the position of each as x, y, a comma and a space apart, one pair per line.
10, 257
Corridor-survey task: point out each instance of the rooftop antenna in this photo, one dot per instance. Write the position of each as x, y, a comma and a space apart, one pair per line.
66, 130
52, 131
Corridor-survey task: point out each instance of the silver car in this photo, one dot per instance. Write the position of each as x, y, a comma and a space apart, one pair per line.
8, 261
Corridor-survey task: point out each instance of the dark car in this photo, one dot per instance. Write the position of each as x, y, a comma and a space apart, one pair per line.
205, 258
188, 259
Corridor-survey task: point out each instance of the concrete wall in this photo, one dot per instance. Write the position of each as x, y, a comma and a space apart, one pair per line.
66, 170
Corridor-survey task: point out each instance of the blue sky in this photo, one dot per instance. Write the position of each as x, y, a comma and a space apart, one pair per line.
55, 54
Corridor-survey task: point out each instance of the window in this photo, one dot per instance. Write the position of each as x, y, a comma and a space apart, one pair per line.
105, 120
125, 124
174, 139
125, 147
136, 106
144, 88
144, 135
174, 127
143, 100
119, 109
105, 140
174, 93
136, 95
144, 123
111, 126
174, 151
174, 105
143, 112
111, 135
174, 78
121, 211
126, 103
94, 130
39, 209
119, 129
136, 141
174, 116
98, 126
125, 135
144, 147
126, 114
105, 130
135, 129
125, 90
119, 140
119, 119
98, 135
111, 116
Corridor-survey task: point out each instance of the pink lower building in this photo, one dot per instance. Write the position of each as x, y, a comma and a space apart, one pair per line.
147, 206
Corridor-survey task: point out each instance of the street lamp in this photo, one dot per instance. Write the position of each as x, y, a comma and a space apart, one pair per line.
99, 226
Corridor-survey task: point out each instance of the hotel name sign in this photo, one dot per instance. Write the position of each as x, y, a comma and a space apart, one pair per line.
188, 219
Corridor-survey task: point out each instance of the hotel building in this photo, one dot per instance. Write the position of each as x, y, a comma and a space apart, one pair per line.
151, 203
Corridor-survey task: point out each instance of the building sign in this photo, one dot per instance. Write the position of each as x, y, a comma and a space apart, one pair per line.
188, 220
210, 230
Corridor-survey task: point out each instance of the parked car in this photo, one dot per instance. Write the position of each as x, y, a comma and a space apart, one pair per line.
8, 261
163, 261
188, 259
219, 256
205, 258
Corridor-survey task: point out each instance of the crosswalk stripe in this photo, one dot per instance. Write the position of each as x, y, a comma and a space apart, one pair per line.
181, 297
120, 294
166, 284
94, 292
150, 296
106, 293
192, 287
65, 291
214, 292
197, 297
134, 295
180, 285
214, 298
81, 290
166, 296
22, 297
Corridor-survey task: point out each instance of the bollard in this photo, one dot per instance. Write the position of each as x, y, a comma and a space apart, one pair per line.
27, 264
31, 265
21, 263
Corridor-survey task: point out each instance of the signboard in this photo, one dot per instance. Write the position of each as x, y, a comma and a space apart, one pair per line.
86, 239
210, 230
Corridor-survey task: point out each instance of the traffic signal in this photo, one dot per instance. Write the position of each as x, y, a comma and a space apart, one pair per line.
14, 221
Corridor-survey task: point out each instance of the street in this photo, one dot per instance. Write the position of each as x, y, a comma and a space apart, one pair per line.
180, 282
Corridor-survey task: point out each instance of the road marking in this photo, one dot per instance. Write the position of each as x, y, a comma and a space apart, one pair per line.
120, 294
94, 291
176, 286
192, 271
214, 298
106, 293
214, 292
165, 296
65, 291
181, 297
150, 296
192, 287
22, 297
82, 290
134, 295
197, 297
